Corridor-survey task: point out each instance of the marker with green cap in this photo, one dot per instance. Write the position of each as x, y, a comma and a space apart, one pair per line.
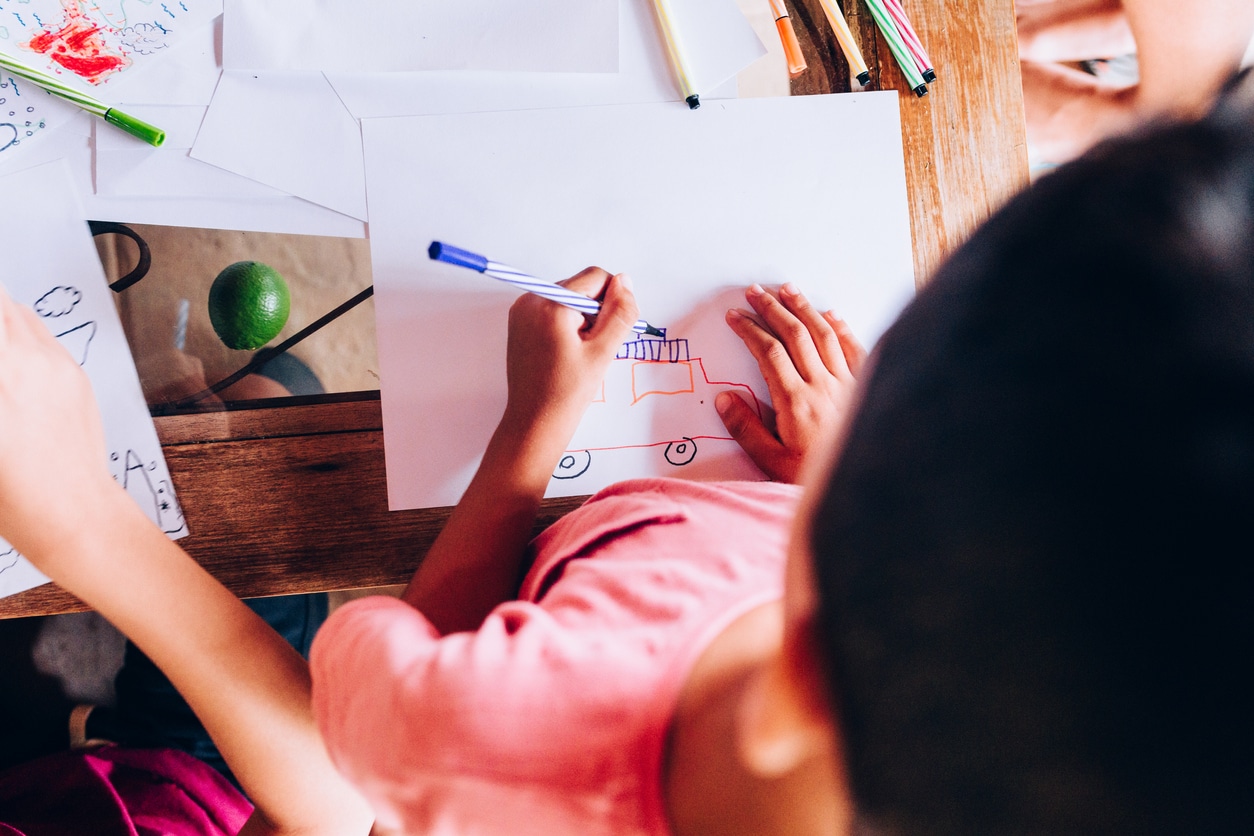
134, 127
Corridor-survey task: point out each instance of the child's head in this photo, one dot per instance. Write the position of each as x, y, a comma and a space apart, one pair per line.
1033, 556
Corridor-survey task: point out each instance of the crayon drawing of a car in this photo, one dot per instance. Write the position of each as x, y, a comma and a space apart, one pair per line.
660, 374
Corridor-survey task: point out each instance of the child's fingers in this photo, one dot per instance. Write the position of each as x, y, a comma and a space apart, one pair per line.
790, 331
619, 312
750, 433
854, 353
820, 328
776, 365
590, 281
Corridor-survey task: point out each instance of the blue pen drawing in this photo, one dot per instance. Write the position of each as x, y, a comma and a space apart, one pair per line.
155, 497
78, 339
21, 116
145, 38
59, 301
652, 371
8, 559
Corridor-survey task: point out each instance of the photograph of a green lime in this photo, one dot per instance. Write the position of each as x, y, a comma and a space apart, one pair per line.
248, 304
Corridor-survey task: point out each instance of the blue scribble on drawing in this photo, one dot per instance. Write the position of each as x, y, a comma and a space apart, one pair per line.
144, 38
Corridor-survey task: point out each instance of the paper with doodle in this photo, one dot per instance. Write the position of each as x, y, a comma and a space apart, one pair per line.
84, 45
51, 265
441, 331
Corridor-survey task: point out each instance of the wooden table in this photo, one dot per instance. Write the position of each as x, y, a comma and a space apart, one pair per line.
292, 497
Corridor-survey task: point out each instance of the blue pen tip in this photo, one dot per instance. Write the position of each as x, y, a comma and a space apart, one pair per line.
456, 255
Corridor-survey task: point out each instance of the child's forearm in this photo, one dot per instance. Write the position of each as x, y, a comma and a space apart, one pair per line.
249, 688
475, 563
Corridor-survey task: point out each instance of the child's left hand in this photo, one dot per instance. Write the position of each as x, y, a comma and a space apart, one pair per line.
52, 447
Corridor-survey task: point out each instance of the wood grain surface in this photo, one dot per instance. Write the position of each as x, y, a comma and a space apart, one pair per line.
964, 143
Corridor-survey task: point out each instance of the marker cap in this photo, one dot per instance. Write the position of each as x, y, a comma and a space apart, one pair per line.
694, 101
455, 255
792, 47
929, 75
864, 78
152, 135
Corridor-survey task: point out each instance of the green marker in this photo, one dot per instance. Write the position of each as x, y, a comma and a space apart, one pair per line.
898, 47
134, 127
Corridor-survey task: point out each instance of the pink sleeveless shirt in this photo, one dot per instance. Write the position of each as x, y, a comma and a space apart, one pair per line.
552, 717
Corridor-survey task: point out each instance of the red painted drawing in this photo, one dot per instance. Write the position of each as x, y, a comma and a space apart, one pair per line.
79, 45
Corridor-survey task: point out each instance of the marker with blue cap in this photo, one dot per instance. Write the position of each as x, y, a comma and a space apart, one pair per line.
553, 292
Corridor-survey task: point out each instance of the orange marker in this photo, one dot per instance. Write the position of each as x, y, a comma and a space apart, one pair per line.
792, 49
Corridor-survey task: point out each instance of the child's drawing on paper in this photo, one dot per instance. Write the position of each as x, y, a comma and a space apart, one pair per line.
650, 371
96, 40
21, 111
155, 497
52, 265
59, 302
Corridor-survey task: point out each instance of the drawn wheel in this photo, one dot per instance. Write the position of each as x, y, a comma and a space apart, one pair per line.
573, 465
679, 453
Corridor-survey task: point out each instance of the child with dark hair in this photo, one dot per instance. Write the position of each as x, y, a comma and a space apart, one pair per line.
1011, 603
1033, 555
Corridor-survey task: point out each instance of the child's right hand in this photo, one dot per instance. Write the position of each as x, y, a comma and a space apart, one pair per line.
809, 360
556, 358
52, 447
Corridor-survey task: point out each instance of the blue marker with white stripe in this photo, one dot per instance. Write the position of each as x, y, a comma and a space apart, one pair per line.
553, 292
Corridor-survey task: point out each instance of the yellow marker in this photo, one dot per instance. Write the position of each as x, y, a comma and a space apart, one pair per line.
788, 37
666, 21
847, 44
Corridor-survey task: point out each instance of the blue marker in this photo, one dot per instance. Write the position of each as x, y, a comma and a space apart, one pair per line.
549, 290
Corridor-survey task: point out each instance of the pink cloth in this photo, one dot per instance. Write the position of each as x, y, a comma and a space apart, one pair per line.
113, 791
552, 717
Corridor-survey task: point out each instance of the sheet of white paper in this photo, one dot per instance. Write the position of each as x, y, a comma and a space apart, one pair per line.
122, 169
186, 74
27, 114
73, 146
645, 73
693, 205
51, 264
289, 131
531, 36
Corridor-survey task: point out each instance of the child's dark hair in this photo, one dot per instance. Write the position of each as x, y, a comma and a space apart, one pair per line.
1034, 553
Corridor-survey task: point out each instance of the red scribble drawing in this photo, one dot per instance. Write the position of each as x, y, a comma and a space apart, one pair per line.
79, 45
647, 369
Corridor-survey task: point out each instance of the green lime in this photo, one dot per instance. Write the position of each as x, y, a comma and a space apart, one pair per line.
248, 304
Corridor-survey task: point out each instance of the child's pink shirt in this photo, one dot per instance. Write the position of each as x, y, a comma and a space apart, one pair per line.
552, 717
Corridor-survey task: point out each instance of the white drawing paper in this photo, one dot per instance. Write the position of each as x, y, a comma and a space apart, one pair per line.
721, 43
288, 130
27, 113
694, 205
383, 35
124, 169
51, 264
